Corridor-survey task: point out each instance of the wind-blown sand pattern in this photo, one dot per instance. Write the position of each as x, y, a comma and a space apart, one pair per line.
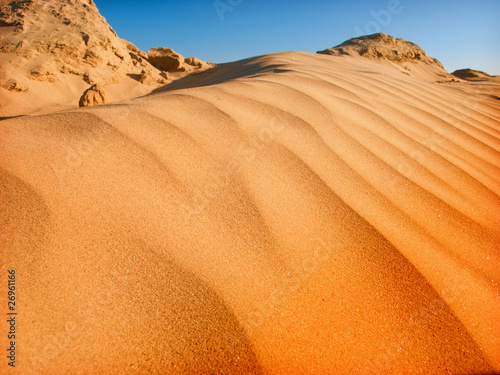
286, 214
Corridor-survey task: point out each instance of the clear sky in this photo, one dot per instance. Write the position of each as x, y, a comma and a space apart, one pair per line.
459, 33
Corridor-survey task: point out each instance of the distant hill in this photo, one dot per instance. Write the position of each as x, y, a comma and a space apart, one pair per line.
384, 47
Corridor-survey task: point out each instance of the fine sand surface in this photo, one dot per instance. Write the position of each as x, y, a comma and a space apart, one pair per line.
292, 213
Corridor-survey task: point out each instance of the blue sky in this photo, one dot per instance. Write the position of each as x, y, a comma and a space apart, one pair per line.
461, 34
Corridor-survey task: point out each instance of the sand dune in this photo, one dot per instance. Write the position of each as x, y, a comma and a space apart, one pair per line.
286, 214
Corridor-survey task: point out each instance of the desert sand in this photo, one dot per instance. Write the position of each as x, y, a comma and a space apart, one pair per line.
291, 213
52, 51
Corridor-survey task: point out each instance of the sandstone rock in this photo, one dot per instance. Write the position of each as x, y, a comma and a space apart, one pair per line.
136, 51
164, 75
65, 32
147, 77
94, 95
46, 40
42, 74
68, 69
193, 61
381, 46
163, 79
137, 60
150, 77
89, 78
470, 74
166, 59
405, 56
14, 85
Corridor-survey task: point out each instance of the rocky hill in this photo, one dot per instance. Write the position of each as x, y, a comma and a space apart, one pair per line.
471, 74
384, 47
65, 46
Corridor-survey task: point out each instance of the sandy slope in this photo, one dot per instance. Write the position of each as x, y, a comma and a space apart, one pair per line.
286, 214
52, 51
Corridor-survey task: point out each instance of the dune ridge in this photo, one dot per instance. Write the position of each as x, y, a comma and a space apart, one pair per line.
285, 214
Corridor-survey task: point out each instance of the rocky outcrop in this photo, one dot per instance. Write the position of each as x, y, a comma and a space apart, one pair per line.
193, 61
382, 47
470, 74
405, 56
71, 34
14, 85
44, 74
166, 59
65, 46
150, 77
95, 95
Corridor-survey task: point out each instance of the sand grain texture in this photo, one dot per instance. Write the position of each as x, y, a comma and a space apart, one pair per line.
286, 214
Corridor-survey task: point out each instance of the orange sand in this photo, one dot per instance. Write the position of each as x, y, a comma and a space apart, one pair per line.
286, 214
